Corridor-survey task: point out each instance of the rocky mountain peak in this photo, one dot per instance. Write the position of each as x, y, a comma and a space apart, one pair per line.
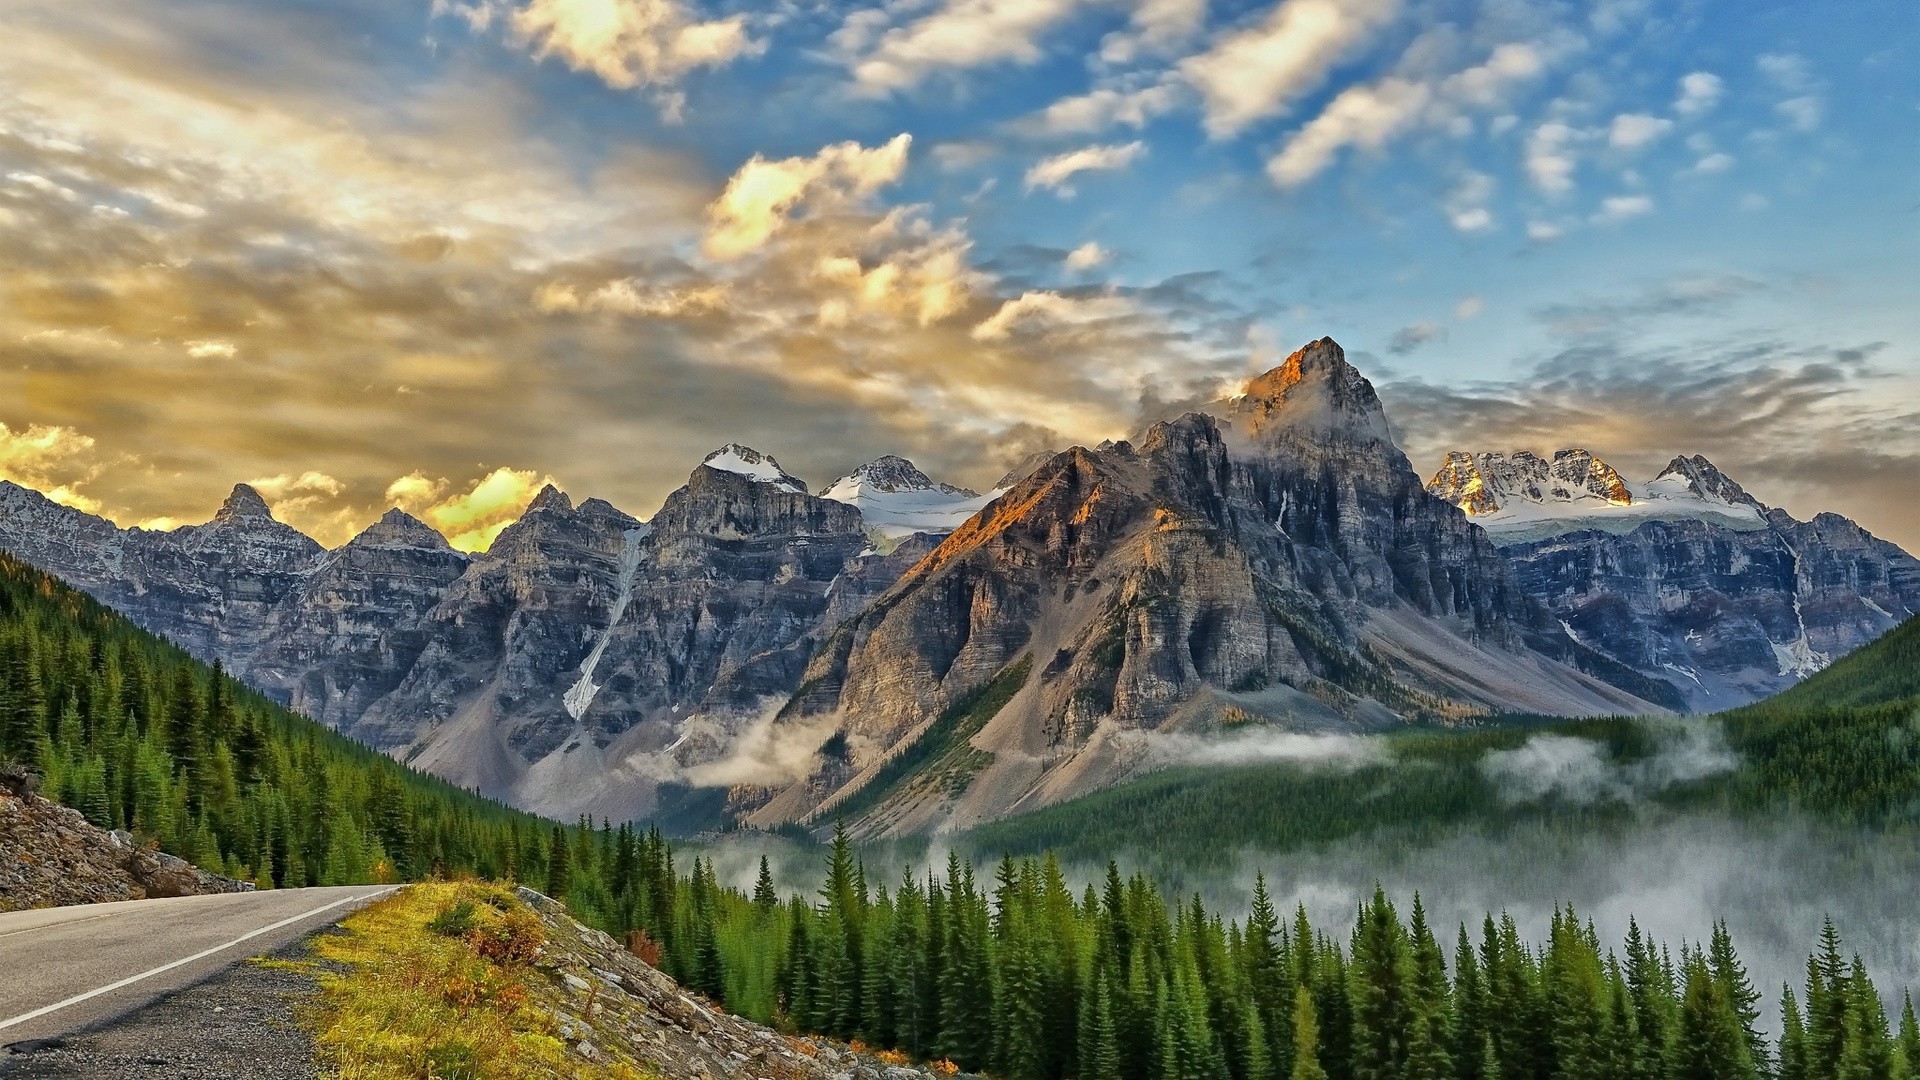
550, 498
399, 529
1461, 483
1577, 473
754, 465
243, 504
893, 475
1315, 393
1698, 476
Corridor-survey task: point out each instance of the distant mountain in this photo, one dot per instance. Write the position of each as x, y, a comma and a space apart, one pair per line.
916, 654
1686, 577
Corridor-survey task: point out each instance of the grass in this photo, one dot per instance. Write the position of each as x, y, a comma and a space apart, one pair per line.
438, 981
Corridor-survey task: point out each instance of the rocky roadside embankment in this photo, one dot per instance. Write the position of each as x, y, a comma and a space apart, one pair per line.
608, 1004
50, 856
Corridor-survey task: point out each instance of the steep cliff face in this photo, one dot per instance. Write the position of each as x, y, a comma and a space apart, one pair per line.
1278, 561
211, 588
352, 628
1687, 577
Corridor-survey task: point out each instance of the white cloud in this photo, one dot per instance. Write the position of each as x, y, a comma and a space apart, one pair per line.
1105, 107
1803, 112
1550, 157
1257, 72
1087, 256
1700, 91
1468, 307
473, 518
1712, 163
1622, 207
632, 296
51, 459
288, 485
958, 35
1054, 172
1466, 205
628, 43
1788, 71
762, 195
211, 349
1544, 232
1630, 131
1158, 26
1369, 116
1048, 309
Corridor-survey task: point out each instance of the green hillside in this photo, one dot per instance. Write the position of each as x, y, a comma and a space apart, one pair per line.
1843, 746
137, 735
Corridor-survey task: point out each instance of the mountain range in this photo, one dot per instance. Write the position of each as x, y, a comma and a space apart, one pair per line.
916, 655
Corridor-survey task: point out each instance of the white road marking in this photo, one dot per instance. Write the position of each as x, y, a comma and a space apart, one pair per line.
201, 955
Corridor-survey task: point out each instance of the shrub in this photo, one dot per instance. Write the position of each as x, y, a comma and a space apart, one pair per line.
453, 920
513, 938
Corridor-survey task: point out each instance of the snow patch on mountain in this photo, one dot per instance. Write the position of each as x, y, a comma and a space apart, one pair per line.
1522, 497
753, 465
896, 500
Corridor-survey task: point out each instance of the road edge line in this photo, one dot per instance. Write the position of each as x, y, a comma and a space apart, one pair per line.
162, 969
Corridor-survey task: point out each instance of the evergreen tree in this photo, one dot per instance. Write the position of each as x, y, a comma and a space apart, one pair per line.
1306, 1039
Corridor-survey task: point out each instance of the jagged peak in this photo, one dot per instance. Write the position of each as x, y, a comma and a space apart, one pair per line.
1314, 391
550, 498
893, 474
244, 504
1695, 474
754, 465
397, 528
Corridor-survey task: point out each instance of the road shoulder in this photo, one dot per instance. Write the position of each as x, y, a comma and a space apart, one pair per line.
241, 1022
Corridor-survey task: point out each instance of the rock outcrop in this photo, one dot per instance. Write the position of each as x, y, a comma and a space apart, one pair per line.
50, 856
1686, 577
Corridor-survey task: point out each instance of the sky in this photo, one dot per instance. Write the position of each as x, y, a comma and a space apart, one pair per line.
438, 253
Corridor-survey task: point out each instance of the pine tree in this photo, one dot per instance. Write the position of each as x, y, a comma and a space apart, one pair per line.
1793, 1039
1908, 1047
1306, 1039
765, 899
559, 864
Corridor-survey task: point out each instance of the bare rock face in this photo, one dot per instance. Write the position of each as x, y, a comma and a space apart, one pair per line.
50, 856
1278, 560
210, 588
1686, 578
354, 626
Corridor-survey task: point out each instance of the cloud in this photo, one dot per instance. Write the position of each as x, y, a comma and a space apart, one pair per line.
958, 35
1804, 112
1036, 311
1054, 172
1630, 131
1103, 108
1157, 26
634, 296
768, 751
51, 459
1408, 338
628, 43
472, 518
1468, 307
1370, 115
1711, 163
1788, 71
1252, 745
1256, 72
762, 195
1583, 771
1700, 91
1544, 232
1466, 203
211, 350
1619, 208
1810, 427
1550, 159
1087, 256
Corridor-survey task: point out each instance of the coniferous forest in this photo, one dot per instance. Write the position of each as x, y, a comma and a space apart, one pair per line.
1013, 971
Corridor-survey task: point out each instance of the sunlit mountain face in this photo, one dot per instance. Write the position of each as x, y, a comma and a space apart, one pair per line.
436, 255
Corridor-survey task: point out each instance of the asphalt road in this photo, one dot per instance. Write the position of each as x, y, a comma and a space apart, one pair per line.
64, 969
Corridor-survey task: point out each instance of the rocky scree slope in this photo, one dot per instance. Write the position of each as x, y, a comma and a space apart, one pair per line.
1686, 577
1273, 560
50, 856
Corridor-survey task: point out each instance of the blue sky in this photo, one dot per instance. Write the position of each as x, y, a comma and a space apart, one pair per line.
436, 254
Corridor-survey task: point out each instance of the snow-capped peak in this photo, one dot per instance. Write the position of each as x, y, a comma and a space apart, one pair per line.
1523, 496
754, 465
243, 504
896, 500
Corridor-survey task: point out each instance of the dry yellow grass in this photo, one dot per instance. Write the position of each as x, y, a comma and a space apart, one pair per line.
457, 1002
